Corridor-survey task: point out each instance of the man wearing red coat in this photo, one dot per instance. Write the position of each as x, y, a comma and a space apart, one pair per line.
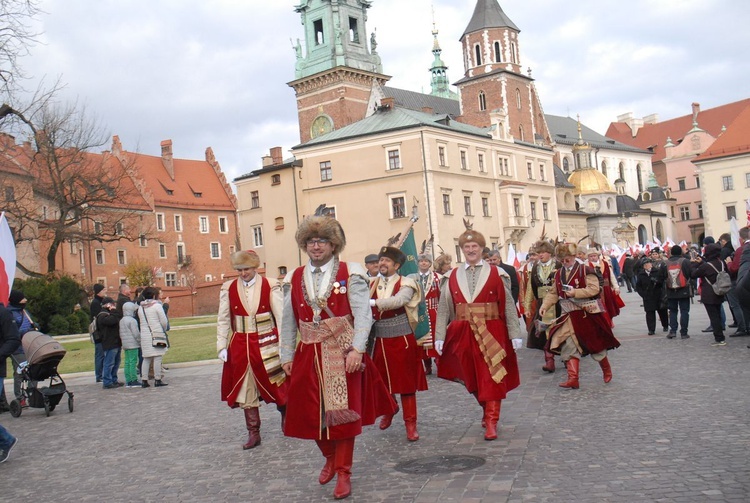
476, 321
334, 388
247, 340
610, 293
584, 326
394, 300
429, 284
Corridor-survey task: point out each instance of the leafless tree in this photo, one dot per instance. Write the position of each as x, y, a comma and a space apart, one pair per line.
16, 36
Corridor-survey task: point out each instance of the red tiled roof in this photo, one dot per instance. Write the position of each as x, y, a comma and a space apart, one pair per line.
734, 141
655, 135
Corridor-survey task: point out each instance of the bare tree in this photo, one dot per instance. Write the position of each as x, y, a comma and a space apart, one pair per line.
16, 35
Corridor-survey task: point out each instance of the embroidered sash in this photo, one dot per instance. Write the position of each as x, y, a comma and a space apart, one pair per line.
477, 314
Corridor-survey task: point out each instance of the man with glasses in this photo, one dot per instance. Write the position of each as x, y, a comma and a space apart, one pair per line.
334, 388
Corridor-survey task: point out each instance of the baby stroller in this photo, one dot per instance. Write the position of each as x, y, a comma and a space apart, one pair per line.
43, 355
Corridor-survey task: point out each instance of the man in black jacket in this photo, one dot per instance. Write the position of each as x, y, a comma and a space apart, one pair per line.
678, 296
108, 325
9, 342
628, 270
493, 258
96, 308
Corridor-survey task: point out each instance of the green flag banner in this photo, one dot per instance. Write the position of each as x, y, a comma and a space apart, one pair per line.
409, 247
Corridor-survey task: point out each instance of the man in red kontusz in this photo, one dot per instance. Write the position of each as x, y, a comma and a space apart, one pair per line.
247, 340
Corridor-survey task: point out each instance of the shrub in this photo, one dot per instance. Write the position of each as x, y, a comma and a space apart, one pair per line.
49, 296
58, 325
74, 324
83, 320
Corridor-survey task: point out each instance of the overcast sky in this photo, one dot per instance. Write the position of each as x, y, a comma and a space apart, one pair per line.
214, 73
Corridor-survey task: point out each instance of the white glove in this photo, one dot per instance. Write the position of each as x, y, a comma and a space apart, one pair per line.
439, 347
517, 343
372, 302
223, 355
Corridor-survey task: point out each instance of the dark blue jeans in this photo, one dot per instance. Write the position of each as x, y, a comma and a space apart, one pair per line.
5, 438
684, 306
111, 366
98, 361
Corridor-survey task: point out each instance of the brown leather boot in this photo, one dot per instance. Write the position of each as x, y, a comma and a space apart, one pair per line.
549, 361
282, 411
328, 448
343, 461
252, 421
385, 421
606, 369
410, 416
572, 382
491, 417
428, 366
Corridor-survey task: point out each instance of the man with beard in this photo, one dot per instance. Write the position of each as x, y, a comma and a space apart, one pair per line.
541, 281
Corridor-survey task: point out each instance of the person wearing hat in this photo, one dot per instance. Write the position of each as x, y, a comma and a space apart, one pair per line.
677, 285
17, 306
250, 310
429, 285
524, 273
650, 286
584, 326
96, 307
108, 327
477, 330
540, 281
372, 264
334, 388
610, 292
394, 300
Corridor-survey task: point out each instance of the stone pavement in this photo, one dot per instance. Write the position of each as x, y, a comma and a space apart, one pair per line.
672, 426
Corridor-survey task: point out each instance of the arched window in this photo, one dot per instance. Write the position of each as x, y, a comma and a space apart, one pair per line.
478, 54
518, 99
640, 178
482, 101
622, 171
659, 230
566, 165
642, 234
604, 168
498, 59
513, 58
520, 132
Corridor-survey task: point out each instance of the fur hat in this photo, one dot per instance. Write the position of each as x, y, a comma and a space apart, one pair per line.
563, 250
544, 246
323, 227
245, 259
424, 256
393, 253
582, 249
471, 236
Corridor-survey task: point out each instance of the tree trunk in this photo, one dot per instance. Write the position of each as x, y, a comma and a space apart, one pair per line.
52, 255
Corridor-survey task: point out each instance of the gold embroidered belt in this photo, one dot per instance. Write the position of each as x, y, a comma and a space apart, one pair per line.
591, 306
477, 315
244, 324
335, 337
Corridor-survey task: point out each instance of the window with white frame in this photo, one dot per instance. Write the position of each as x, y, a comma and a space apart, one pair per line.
545, 211
482, 101
98, 228
747, 179
441, 155
162, 250
208, 278
231, 249
503, 166
119, 229
532, 207
530, 170
181, 253
142, 241
700, 209
485, 206
178, 223
542, 173
160, 226
680, 184
223, 225
215, 250
329, 211
99, 256
480, 162
73, 247
446, 204
464, 160
326, 172
467, 205
282, 270
517, 206
254, 199
398, 206
727, 182
684, 212
121, 258
170, 279
203, 225
697, 182
394, 159
257, 236
731, 211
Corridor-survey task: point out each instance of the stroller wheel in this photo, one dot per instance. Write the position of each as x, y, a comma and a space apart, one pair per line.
47, 408
70, 403
15, 408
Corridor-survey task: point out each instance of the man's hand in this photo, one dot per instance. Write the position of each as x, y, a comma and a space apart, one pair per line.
287, 368
353, 361
542, 310
439, 347
223, 355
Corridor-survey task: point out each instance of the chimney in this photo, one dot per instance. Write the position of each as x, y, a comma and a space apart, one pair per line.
651, 119
428, 110
267, 160
166, 157
276, 156
388, 102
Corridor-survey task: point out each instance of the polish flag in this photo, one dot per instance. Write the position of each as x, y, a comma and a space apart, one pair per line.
512, 257
747, 210
7, 259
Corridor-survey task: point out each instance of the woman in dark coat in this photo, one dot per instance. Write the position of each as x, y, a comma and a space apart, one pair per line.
707, 268
650, 286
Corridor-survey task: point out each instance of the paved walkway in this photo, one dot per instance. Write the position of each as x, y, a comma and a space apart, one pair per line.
672, 426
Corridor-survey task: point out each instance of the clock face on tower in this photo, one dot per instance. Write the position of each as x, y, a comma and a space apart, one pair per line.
321, 125
593, 205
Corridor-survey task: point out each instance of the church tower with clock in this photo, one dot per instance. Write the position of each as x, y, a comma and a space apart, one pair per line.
336, 69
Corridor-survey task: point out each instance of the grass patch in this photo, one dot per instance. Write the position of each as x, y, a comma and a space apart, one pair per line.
193, 320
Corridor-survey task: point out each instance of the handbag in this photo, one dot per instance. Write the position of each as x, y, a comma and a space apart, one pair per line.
158, 340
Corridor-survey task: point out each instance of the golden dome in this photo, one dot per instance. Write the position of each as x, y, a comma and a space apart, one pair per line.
590, 181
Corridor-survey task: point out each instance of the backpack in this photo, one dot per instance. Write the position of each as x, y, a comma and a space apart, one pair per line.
723, 282
94, 332
675, 277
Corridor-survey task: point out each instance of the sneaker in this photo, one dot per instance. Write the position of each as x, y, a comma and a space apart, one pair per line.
133, 384
707, 330
111, 386
119, 384
4, 453
685, 336
740, 333
719, 343
671, 335
651, 333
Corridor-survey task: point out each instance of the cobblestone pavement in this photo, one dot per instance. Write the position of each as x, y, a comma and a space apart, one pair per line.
672, 426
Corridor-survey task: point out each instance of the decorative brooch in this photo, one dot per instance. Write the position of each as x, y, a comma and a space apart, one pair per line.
339, 287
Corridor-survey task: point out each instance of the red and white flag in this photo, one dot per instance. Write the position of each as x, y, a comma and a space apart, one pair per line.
747, 210
7, 259
512, 257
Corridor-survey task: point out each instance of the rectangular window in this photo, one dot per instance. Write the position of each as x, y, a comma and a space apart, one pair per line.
446, 204
533, 210
99, 255
162, 250
394, 160
257, 236
480, 162
318, 30
727, 182
700, 210
680, 184
180, 253
503, 166
121, 257
142, 241
530, 170
10, 194
485, 206
441, 155
353, 31
517, 206
73, 247
545, 211
464, 162
215, 250
275, 179
254, 199
329, 211
731, 212
542, 173
98, 228
697, 182
326, 173
747, 179
398, 207
119, 229
170, 279
223, 225
282, 270
467, 205
178, 223
684, 213
203, 225
160, 222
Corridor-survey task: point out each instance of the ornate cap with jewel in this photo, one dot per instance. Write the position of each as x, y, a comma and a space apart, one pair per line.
393, 253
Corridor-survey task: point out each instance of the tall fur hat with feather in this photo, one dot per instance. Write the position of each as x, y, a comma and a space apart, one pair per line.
563, 250
471, 236
323, 227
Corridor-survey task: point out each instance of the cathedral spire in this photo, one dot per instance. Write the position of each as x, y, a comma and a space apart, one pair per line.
440, 83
